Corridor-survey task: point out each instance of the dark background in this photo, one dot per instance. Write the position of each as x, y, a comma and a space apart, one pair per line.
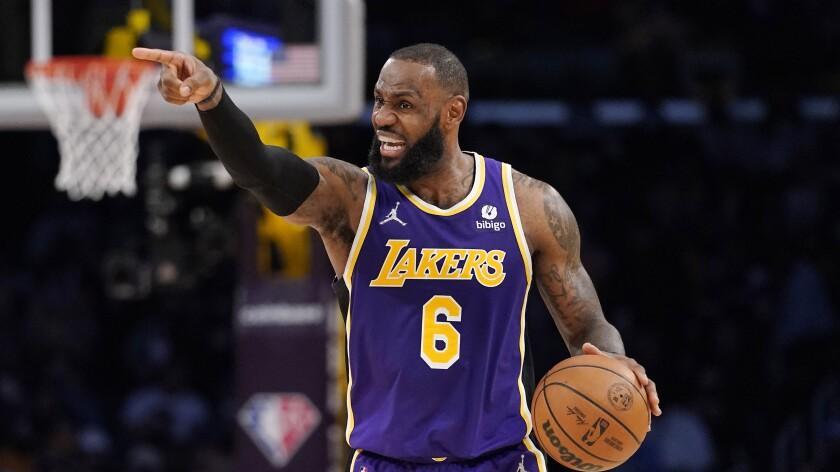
713, 244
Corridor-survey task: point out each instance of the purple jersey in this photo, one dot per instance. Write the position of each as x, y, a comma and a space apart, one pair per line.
436, 322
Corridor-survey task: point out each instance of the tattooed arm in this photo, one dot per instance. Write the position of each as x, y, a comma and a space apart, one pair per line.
341, 189
334, 207
565, 286
554, 239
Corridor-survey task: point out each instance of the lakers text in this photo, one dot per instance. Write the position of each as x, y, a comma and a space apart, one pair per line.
404, 263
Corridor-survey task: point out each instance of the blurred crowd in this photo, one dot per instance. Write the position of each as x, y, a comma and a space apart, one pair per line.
583, 49
716, 260
714, 248
116, 343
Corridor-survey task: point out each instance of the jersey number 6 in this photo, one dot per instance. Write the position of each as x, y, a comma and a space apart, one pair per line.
435, 331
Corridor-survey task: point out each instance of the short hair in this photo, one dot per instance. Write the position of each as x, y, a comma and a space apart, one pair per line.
449, 70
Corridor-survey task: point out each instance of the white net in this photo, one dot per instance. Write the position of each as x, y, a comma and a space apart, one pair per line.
94, 107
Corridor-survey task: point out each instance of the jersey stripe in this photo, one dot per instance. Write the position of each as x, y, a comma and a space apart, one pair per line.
535, 450
472, 196
358, 240
353, 462
513, 211
361, 231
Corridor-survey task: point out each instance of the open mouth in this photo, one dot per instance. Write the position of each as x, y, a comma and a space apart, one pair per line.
390, 147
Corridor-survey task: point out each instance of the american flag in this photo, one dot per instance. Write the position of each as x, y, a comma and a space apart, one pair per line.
298, 63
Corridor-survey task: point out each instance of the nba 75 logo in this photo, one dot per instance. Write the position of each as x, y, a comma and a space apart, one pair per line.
279, 423
489, 213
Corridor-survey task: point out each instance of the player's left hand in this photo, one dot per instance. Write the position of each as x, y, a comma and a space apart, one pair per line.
644, 380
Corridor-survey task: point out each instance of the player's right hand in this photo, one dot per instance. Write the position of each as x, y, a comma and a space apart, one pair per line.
183, 78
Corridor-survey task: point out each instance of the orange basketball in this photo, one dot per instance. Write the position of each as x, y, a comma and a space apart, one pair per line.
590, 413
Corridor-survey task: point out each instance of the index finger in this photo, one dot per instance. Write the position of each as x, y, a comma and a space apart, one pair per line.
161, 56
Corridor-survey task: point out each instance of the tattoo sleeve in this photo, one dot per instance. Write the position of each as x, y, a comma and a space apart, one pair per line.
330, 207
565, 285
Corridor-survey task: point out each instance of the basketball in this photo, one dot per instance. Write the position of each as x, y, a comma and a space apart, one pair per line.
590, 413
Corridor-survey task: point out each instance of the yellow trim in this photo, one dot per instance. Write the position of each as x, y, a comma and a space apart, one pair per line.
361, 230
516, 221
537, 453
353, 462
438, 459
513, 210
351, 420
475, 191
355, 249
524, 408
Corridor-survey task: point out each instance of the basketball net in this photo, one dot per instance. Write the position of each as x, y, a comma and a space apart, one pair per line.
94, 105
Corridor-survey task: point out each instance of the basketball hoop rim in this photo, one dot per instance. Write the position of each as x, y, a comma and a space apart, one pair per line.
94, 104
62, 64
107, 82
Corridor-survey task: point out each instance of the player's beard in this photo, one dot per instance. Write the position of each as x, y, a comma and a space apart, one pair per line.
419, 159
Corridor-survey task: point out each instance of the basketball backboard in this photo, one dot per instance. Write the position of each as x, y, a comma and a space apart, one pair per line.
327, 89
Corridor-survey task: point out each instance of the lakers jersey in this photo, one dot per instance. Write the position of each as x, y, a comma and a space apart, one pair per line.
435, 322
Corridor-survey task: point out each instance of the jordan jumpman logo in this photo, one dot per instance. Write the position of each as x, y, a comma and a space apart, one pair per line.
392, 216
521, 467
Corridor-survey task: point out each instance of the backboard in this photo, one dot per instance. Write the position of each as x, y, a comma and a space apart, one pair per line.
268, 77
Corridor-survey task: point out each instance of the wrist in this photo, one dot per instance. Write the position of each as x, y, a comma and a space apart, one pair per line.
212, 100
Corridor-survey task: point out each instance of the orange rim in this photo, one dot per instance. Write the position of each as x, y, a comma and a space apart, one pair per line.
97, 76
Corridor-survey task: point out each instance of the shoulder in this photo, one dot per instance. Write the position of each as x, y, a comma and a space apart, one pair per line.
342, 175
535, 197
336, 204
348, 173
544, 212
525, 184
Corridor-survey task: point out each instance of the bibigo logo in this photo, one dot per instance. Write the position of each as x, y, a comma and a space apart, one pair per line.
489, 213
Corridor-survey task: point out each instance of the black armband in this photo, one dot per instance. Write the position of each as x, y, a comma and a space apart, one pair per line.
278, 177
212, 94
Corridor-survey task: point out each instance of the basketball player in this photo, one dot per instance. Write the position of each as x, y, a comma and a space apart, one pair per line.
435, 249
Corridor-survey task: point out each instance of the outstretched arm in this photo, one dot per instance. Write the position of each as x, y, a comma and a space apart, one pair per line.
563, 282
315, 194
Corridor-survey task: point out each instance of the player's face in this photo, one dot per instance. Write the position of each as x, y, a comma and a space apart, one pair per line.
408, 141
417, 160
